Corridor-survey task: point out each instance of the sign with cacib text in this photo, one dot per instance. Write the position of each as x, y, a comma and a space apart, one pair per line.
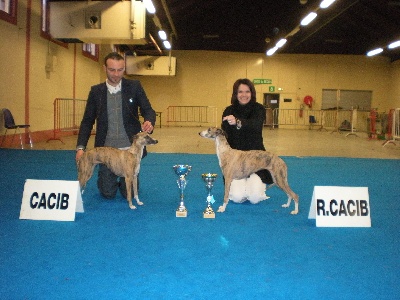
338, 206
56, 200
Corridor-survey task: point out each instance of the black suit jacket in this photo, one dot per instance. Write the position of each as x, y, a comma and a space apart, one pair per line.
134, 99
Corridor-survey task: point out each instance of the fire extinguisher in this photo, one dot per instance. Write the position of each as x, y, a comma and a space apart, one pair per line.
301, 110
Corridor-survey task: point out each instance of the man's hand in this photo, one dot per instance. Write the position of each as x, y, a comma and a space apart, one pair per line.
146, 126
79, 153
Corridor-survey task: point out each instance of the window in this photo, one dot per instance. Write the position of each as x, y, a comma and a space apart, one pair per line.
45, 26
346, 99
8, 11
91, 51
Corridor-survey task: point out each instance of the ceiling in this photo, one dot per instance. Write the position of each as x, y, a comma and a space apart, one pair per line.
346, 27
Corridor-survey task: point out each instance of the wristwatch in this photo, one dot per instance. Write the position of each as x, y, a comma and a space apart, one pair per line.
80, 148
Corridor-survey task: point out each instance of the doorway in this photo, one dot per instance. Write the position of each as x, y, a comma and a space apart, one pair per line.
271, 103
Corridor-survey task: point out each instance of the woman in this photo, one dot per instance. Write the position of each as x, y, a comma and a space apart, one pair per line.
243, 122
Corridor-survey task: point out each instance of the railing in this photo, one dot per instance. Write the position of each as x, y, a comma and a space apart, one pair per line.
192, 116
394, 121
357, 120
68, 114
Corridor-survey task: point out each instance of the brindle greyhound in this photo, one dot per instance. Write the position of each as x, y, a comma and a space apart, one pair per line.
124, 163
237, 164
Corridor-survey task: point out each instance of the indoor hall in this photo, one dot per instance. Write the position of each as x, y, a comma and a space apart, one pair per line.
251, 251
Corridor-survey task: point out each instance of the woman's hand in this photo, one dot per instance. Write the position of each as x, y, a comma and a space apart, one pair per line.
230, 119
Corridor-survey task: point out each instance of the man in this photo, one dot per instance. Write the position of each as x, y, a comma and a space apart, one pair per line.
114, 105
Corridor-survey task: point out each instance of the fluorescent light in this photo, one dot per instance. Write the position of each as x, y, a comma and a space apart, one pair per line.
281, 42
307, 20
167, 45
149, 6
271, 51
162, 35
394, 45
326, 3
374, 52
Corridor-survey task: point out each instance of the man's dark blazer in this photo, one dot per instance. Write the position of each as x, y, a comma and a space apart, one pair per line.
134, 99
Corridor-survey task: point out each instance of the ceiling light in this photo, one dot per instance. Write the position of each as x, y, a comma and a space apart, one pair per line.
281, 42
394, 45
162, 35
374, 52
326, 3
149, 6
167, 45
271, 51
307, 20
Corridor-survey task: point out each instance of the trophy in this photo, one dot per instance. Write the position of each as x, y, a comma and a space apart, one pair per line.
209, 180
182, 171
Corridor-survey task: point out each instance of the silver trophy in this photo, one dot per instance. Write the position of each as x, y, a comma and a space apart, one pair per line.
209, 180
182, 171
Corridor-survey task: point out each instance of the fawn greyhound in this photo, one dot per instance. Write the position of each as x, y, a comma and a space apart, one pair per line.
124, 163
237, 164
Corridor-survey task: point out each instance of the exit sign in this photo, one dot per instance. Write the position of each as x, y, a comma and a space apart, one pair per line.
262, 81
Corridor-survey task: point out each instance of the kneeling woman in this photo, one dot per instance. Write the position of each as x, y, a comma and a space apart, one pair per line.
243, 122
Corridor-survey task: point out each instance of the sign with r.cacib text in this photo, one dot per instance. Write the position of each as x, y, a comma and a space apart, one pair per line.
338, 206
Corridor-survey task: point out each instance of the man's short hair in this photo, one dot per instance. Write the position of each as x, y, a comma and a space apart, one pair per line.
113, 55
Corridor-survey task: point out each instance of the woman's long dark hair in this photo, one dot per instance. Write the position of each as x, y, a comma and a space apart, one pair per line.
235, 88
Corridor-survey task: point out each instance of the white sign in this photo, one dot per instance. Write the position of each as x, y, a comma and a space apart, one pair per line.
338, 206
56, 200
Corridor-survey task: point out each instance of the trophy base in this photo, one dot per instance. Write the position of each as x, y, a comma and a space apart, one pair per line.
181, 214
209, 215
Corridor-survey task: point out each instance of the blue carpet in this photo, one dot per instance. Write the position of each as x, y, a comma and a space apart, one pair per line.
249, 252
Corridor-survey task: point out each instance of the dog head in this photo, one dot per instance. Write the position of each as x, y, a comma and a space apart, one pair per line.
212, 133
143, 138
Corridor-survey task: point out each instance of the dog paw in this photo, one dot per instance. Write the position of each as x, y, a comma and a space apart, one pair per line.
140, 203
132, 206
294, 212
285, 205
221, 209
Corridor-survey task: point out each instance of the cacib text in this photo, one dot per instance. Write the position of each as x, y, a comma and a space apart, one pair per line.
51, 201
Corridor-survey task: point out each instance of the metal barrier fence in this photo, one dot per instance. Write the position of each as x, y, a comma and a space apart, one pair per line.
192, 116
351, 120
68, 114
395, 126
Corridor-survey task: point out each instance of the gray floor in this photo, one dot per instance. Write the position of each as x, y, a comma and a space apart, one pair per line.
284, 142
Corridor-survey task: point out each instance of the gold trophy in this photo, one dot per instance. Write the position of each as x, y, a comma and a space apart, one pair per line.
209, 179
182, 171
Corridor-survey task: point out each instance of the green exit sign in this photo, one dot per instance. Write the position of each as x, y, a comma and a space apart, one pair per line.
262, 81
